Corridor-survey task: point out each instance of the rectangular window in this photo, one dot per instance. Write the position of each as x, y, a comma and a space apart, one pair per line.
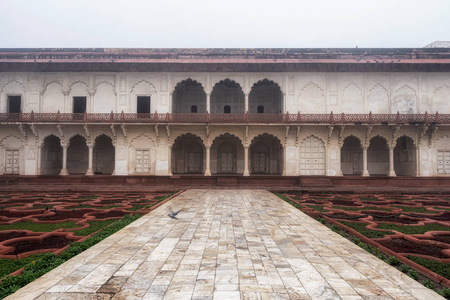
79, 105
14, 104
143, 104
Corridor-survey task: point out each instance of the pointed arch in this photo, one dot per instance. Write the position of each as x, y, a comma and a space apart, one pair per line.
77, 155
188, 154
11, 83
312, 99
352, 99
51, 155
352, 156
378, 156
78, 82
405, 156
441, 99
227, 94
266, 94
378, 99
104, 154
3, 140
404, 100
266, 154
186, 94
143, 85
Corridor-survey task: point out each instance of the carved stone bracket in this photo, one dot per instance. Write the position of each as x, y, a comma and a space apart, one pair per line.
168, 135
124, 131
422, 131
157, 133
24, 133
35, 132
246, 136
61, 134
297, 135
340, 136
367, 136
88, 134
433, 132
394, 135
114, 133
207, 132
330, 133
286, 134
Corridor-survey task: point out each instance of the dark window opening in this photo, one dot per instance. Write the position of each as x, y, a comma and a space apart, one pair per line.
14, 104
79, 105
260, 109
143, 104
194, 109
227, 109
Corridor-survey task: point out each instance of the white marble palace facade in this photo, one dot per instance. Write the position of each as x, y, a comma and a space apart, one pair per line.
329, 112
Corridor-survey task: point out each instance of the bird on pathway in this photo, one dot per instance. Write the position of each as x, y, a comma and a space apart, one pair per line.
173, 214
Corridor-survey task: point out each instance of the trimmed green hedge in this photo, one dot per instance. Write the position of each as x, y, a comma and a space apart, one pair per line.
442, 269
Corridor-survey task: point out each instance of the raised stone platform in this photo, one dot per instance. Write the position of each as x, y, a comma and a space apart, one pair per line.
226, 244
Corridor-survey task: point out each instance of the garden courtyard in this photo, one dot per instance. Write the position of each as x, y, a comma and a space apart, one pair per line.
225, 244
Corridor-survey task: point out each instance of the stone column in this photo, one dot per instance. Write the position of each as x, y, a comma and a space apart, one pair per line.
64, 161
246, 172
246, 101
284, 160
208, 102
208, 161
365, 171
90, 171
391, 162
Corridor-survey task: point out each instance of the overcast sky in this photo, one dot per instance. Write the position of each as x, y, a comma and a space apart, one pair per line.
223, 23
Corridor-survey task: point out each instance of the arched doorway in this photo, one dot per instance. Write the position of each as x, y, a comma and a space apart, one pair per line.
265, 97
187, 155
189, 97
227, 97
51, 156
312, 156
104, 155
266, 155
351, 156
378, 156
227, 155
405, 157
77, 155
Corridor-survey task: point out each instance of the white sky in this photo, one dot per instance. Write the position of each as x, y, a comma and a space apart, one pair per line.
223, 23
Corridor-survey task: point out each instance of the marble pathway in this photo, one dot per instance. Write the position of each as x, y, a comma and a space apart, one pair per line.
226, 244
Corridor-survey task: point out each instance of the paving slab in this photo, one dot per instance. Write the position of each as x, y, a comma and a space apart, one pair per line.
225, 244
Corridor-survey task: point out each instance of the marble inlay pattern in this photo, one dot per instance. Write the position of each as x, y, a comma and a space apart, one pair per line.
225, 244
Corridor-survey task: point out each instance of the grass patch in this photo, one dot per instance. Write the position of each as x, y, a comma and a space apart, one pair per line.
136, 207
37, 227
421, 210
414, 229
442, 208
317, 207
283, 197
42, 206
7, 266
361, 228
94, 226
442, 269
47, 262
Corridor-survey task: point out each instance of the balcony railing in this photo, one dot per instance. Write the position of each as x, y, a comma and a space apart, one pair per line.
245, 118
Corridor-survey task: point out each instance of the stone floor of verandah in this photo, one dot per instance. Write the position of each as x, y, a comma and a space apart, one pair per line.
225, 244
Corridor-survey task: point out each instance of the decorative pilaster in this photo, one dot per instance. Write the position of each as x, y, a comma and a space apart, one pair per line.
169, 163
